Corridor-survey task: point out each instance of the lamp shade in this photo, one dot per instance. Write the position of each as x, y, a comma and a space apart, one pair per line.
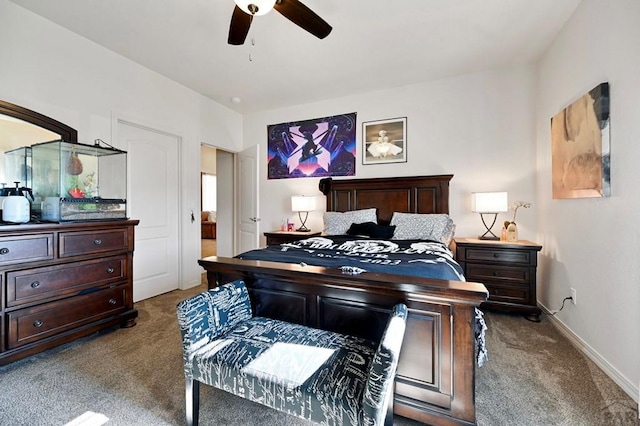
263, 6
300, 203
489, 202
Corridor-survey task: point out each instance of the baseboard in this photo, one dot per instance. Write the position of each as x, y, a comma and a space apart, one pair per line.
630, 389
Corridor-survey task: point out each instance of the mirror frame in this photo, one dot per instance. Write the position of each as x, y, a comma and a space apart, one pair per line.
66, 133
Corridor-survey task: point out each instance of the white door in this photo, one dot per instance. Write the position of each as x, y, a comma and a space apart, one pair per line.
248, 218
153, 169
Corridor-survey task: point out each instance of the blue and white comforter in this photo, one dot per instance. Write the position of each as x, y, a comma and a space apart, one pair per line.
427, 259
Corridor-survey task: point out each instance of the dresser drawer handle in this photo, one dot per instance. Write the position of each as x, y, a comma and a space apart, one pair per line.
4, 250
496, 273
35, 284
97, 241
496, 291
496, 255
38, 323
112, 301
110, 270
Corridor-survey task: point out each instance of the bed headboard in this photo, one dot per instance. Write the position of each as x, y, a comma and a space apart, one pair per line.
415, 194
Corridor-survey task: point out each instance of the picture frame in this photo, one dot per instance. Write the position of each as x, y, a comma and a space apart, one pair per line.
580, 147
384, 141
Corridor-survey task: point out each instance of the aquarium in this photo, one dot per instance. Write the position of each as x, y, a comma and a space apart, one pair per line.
17, 167
79, 182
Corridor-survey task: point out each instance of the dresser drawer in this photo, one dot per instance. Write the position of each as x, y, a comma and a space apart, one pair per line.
523, 257
33, 324
497, 273
25, 248
88, 242
58, 281
516, 294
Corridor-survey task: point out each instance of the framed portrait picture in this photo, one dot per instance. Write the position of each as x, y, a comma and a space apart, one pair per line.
384, 141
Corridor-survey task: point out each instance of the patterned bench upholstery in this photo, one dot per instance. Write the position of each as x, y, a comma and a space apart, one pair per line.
321, 376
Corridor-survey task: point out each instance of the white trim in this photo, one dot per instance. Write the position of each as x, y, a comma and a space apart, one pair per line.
615, 375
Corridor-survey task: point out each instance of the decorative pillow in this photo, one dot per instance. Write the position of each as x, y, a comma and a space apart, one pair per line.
338, 223
411, 226
371, 229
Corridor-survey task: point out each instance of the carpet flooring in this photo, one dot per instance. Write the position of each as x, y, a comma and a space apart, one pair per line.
134, 376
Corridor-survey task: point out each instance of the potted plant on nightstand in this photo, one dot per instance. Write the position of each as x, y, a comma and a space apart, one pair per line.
511, 229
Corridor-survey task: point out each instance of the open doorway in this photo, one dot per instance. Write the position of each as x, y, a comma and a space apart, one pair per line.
209, 202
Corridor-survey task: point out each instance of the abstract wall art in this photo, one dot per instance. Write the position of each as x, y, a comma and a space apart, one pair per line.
580, 147
312, 148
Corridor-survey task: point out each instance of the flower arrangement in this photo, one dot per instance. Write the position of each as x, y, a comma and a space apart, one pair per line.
515, 206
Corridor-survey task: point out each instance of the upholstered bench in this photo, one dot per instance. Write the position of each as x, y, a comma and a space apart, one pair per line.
321, 376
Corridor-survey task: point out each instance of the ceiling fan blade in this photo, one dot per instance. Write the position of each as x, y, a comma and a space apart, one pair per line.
303, 17
239, 27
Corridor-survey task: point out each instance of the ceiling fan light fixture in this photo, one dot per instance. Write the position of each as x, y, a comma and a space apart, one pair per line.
255, 7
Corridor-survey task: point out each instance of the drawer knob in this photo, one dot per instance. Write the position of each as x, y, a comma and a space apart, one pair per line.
112, 301
97, 241
4, 250
496, 273
38, 323
110, 270
35, 284
496, 255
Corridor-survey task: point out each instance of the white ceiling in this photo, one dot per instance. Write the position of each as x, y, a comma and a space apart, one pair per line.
374, 43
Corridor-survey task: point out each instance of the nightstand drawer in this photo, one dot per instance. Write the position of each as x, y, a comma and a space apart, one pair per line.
498, 255
507, 294
276, 238
482, 273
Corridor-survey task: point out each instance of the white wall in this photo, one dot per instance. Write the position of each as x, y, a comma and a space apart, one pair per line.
71, 79
478, 127
592, 245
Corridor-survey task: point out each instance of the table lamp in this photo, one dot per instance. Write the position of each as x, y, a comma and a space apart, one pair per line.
302, 204
490, 203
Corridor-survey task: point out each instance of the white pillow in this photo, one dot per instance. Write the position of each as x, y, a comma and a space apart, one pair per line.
212, 216
411, 226
338, 223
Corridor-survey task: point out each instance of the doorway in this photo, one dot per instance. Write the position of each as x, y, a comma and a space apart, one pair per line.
208, 202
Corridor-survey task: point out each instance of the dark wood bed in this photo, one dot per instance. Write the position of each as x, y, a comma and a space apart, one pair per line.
435, 382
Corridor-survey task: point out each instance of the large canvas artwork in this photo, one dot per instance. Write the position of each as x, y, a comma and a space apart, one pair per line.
580, 147
312, 148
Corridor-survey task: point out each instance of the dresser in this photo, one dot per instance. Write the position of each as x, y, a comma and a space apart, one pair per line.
507, 269
280, 237
63, 281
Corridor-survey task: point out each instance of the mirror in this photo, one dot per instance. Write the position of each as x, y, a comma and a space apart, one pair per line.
19, 128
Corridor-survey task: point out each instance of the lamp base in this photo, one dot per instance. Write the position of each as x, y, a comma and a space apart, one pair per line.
489, 235
303, 229
493, 238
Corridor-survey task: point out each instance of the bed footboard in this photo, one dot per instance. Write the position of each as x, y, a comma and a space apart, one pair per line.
435, 379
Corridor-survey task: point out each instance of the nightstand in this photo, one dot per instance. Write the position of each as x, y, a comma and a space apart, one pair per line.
280, 237
507, 269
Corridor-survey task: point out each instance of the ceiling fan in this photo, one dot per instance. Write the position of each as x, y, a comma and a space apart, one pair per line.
293, 10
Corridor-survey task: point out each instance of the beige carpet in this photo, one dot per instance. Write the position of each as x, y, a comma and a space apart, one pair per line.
208, 247
134, 377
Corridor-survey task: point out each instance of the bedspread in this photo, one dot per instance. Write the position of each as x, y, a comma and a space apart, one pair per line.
420, 258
